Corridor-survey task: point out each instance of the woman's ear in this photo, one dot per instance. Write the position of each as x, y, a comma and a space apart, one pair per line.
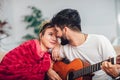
40, 35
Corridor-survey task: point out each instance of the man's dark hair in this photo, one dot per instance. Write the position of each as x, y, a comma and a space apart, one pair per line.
69, 18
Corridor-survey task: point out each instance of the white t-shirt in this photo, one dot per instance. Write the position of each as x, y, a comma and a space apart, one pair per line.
95, 49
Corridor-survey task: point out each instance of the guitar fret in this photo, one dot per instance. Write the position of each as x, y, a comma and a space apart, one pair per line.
88, 69
97, 67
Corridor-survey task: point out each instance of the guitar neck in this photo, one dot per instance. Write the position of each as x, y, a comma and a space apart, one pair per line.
87, 70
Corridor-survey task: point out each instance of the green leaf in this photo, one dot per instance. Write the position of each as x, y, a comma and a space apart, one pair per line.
35, 10
35, 23
28, 18
28, 37
36, 31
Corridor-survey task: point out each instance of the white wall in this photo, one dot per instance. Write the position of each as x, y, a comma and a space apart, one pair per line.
98, 16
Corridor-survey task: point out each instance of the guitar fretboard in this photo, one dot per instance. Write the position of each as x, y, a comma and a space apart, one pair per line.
87, 70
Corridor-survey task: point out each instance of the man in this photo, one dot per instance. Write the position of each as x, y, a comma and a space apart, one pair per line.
88, 47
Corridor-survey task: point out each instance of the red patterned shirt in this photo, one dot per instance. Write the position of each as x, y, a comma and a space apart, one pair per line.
25, 62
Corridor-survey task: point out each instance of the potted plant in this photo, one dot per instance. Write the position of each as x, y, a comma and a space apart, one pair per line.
34, 20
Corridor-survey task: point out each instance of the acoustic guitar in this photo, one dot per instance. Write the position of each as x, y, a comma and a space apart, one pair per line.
77, 69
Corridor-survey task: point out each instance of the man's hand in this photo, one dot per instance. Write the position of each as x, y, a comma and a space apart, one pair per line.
110, 69
56, 53
53, 75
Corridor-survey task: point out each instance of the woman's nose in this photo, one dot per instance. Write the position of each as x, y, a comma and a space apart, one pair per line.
54, 38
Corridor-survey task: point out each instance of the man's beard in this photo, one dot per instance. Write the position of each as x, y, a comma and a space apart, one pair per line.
64, 41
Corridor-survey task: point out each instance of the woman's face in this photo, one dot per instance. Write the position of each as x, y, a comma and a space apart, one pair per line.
49, 39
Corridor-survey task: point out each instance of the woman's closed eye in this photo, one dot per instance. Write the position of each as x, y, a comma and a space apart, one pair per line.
51, 34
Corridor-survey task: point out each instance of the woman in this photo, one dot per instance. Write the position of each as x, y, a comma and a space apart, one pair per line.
30, 60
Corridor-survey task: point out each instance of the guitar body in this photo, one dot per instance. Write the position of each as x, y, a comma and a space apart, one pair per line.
63, 69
